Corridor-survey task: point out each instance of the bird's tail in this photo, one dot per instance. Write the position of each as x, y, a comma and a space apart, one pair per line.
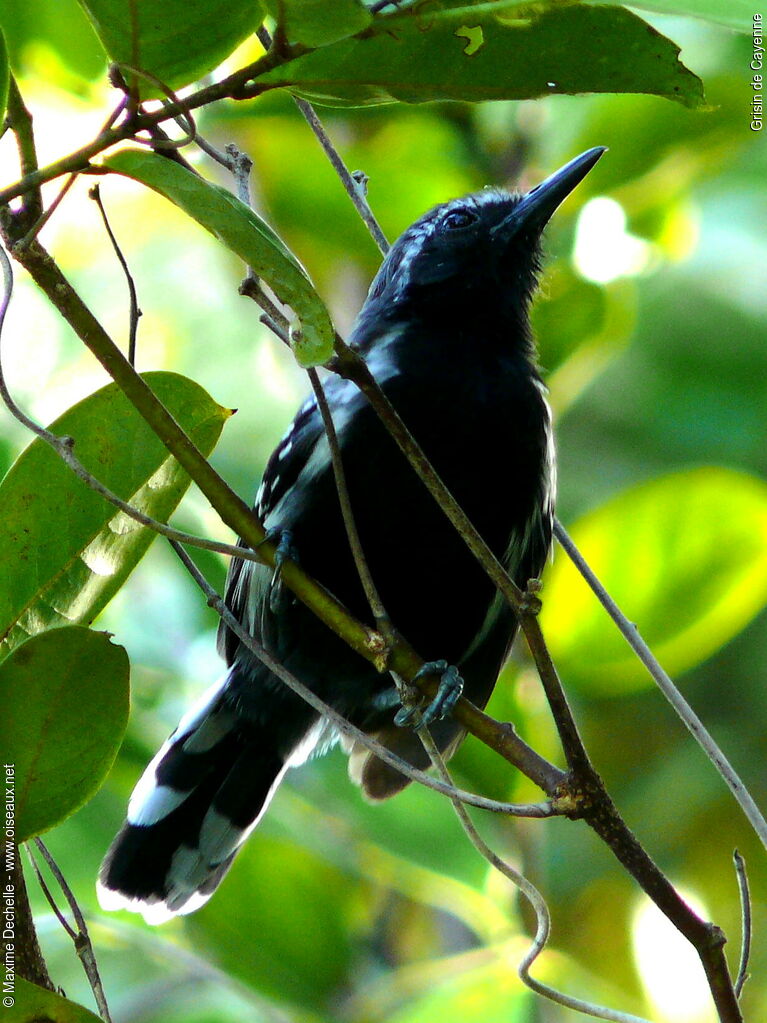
192, 809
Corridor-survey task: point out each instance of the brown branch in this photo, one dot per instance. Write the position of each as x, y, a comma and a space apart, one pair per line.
20, 120
30, 963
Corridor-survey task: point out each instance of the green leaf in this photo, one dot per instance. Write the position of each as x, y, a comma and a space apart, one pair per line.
444, 51
65, 551
316, 22
54, 39
33, 1004
304, 907
735, 14
65, 698
178, 41
4, 78
685, 557
245, 234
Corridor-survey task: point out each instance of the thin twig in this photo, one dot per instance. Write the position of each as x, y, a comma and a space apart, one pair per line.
49, 895
529, 891
353, 190
21, 120
382, 620
690, 719
183, 113
745, 916
95, 194
546, 809
81, 937
47, 214
241, 166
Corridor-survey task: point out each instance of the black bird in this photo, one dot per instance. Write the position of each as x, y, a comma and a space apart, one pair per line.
445, 332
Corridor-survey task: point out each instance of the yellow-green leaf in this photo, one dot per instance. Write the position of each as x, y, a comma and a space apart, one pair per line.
685, 557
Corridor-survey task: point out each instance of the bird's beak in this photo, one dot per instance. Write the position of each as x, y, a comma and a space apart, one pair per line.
534, 210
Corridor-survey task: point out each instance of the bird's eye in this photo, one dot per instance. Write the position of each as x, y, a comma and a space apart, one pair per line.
459, 218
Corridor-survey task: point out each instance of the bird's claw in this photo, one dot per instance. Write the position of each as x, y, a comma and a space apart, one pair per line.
448, 694
285, 551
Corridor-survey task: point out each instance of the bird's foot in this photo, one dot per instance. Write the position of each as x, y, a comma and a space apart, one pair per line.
285, 551
448, 694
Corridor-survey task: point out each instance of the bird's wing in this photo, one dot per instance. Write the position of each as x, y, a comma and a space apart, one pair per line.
248, 583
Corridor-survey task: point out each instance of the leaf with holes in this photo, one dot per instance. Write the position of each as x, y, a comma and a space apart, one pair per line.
64, 550
65, 708
245, 234
447, 50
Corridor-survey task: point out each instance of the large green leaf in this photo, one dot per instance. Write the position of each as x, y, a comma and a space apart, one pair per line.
460, 51
33, 1004
685, 557
245, 234
316, 22
65, 703
178, 41
65, 551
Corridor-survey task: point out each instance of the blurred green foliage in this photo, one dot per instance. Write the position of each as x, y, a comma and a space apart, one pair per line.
337, 910
64, 731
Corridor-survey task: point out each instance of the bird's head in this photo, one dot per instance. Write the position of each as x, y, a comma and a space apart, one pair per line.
481, 245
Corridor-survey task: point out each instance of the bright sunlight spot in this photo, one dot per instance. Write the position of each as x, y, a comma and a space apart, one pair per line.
670, 970
604, 249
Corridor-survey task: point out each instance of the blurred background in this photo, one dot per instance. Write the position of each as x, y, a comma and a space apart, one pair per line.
652, 326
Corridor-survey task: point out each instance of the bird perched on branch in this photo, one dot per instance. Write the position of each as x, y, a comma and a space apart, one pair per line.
446, 334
